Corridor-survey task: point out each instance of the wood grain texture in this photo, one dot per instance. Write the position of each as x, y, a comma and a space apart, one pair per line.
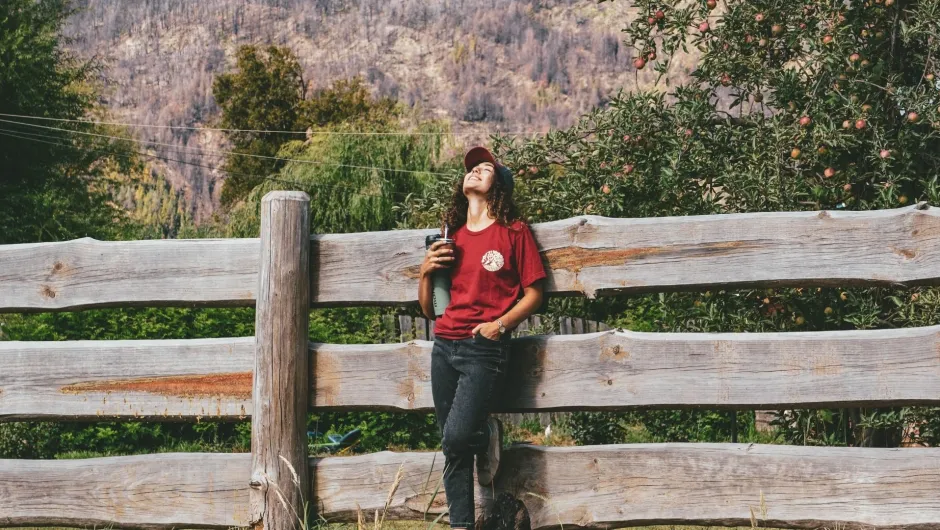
646, 484
210, 378
170, 490
589, 487
586, 255
618, 370
87, 273
144, 379
281, 385
592, 255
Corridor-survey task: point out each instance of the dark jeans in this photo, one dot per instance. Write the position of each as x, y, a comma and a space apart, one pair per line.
466, 378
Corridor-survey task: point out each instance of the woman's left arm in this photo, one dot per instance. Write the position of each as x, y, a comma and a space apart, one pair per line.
528, 304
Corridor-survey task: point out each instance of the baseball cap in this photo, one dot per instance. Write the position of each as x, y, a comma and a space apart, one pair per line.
480, 154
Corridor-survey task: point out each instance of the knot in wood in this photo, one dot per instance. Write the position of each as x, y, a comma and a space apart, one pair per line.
258, 481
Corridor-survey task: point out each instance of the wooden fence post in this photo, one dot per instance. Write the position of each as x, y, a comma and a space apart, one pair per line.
281, 373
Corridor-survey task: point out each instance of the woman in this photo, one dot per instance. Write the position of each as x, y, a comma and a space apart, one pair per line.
495, 260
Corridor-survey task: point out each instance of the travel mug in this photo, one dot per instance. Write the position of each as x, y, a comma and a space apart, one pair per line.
440, 278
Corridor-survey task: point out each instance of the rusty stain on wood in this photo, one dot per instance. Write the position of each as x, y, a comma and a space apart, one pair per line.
576, 258
904, 252
413, 272
236, 385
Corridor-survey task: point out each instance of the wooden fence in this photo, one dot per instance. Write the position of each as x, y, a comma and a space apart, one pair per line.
276, 376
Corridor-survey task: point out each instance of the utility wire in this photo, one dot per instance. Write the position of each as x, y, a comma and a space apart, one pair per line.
19, 134
223, 152
327, 132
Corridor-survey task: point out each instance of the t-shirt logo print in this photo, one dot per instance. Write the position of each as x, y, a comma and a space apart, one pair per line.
492, 261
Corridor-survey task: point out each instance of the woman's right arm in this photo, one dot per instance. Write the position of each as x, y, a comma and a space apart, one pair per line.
435, 258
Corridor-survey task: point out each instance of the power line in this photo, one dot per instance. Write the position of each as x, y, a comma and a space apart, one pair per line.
272, 131
223, 152
305, 185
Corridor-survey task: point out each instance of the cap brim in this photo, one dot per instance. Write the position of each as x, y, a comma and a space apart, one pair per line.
478, 155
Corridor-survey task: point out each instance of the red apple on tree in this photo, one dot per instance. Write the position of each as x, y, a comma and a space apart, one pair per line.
912, 117
805, 121
759, 17
639, 63
884, 153
703, 27
860, 124
660, 15
827, 39
795, 153
829, 172
712, 4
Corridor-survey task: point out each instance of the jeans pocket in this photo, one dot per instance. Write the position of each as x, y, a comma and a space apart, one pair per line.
481, 340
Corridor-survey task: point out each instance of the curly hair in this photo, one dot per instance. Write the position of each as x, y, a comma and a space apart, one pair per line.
499, 201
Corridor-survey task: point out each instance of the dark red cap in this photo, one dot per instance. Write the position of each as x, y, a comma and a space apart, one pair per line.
480, 154
477, 156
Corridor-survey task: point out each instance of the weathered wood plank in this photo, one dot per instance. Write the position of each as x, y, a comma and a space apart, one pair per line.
281, 384
616, 370
406, 323
592, 487
389, 328
593, 255
88, 273
649, 484
421, 328
587, 255
536, 322
169, 490
149, 379
211, 378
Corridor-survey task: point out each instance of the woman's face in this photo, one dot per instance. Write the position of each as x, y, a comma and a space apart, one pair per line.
479, 180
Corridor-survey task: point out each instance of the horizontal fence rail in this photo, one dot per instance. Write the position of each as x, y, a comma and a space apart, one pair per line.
87, 273
611, 370
587, 487
170, 490
586, 255
623, 369
646, 484
155, 379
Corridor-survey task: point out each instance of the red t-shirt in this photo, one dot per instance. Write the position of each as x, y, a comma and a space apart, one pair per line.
493, 267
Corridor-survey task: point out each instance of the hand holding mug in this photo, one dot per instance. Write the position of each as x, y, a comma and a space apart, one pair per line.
439, 256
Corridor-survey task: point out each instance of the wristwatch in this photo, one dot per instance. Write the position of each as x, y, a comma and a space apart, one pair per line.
502, 328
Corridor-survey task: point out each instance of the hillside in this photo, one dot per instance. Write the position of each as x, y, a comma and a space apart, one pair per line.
481, 64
